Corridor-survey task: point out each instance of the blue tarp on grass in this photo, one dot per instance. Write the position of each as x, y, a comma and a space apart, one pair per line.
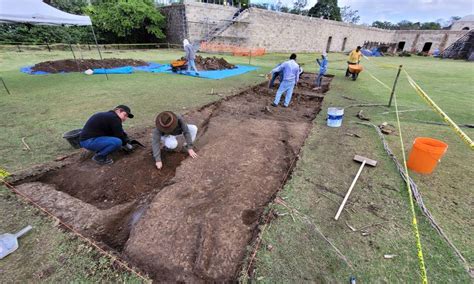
211, 74
118, 70
159, 68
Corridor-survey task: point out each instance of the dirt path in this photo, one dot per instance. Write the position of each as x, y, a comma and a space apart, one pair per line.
193, 220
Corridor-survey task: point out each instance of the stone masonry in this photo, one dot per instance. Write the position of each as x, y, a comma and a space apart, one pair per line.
283, 32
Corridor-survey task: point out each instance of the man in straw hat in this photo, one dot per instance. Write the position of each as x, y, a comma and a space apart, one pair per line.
168, 126
103, 133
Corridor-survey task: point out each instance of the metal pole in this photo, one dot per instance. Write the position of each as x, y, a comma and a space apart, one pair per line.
98, 49
394, 85
4, 85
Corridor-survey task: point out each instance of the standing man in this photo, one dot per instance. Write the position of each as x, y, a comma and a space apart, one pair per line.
323, 67
168, 126
354, 59
190, 56
291, 71
103, 133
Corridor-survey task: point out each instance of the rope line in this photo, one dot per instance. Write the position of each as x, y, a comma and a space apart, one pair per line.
439, 111
416, 231
102, 251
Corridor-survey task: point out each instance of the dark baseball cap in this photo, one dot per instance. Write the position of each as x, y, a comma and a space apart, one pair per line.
125, 109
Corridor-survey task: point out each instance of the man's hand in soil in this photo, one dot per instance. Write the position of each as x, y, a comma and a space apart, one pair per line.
192, 153
159, 165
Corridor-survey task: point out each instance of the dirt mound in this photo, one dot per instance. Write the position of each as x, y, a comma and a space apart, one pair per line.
211, 63
81, 65
193, 220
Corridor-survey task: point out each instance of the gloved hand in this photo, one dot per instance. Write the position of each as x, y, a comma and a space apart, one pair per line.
127, 148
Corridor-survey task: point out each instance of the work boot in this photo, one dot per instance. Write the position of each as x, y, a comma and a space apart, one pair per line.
102, 160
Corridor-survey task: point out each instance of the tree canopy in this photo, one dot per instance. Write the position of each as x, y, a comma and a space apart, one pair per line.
326, 9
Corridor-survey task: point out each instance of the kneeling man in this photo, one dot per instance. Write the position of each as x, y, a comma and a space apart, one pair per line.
168, 126
103, 133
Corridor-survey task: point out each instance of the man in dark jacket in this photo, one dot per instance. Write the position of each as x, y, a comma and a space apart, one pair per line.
103, 133
168, 126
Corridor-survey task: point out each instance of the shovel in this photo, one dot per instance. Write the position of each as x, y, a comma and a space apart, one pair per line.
364, 161
9, 242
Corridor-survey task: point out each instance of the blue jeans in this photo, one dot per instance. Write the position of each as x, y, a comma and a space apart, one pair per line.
103, 145
274, 76
192, 64
319, 79
285, 86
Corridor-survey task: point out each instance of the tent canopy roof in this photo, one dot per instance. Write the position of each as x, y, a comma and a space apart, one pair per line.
38, 13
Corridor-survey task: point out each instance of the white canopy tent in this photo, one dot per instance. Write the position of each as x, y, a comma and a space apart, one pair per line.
36, 12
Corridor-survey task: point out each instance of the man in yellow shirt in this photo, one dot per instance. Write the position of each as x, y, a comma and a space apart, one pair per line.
354, 58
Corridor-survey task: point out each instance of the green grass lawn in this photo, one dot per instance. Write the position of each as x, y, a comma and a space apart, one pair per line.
325, 171
41, 108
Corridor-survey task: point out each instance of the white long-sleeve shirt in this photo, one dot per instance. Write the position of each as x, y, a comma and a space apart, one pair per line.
291, 70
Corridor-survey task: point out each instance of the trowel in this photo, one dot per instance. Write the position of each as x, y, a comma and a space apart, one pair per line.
9, 242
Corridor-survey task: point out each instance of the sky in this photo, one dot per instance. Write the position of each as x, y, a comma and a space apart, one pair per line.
397, 10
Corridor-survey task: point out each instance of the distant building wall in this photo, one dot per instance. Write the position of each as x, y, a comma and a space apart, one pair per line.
284, 32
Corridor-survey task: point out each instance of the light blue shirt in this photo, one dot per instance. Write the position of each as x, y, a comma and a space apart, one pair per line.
291, 71
323, 66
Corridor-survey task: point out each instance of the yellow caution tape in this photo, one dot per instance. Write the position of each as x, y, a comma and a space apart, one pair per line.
4, 173
438, 110
414, 222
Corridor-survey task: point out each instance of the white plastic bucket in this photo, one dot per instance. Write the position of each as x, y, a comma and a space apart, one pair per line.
335, 116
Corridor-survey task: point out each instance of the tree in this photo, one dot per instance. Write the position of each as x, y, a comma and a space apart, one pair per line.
326, 9
384, 25
127, 20
349, 16
76, 7
298, 6
430, 26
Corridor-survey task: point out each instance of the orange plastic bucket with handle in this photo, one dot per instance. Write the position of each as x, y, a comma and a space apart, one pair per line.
425, 154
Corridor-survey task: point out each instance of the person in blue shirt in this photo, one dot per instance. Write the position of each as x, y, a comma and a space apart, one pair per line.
291, 72
323, 67
278, 75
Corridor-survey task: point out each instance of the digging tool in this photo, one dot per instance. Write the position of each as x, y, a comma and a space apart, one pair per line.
9, 242
364, 161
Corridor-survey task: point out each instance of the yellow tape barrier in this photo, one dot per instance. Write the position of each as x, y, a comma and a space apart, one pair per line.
438, 110
414, 222
4, 173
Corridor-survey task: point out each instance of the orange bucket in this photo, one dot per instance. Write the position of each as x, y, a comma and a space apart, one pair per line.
425, 154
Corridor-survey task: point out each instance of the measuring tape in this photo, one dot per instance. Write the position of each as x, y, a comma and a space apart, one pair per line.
438, 110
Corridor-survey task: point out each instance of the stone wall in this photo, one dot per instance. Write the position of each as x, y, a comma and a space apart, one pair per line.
415, 40
283, 32
176, 27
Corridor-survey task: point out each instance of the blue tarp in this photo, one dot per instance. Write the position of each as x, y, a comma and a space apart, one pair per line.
119, 70
212, 74
373, 52
159, 68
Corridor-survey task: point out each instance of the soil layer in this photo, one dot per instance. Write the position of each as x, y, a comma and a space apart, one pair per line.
81, 65
193, 220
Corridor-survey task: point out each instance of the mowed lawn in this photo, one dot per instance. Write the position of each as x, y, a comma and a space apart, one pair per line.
41, 108
292, 250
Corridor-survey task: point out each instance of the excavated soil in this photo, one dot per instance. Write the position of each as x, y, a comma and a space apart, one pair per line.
81, 65
211, 63
193, 220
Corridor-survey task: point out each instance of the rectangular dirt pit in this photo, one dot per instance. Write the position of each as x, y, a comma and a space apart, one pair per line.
193, 220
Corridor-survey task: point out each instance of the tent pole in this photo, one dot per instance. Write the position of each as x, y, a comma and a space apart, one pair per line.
4, 85
98, 49
73, 54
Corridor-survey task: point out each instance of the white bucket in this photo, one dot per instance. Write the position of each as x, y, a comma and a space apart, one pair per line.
335, 116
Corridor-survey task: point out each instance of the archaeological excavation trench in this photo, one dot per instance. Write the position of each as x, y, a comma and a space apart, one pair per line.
193, 220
